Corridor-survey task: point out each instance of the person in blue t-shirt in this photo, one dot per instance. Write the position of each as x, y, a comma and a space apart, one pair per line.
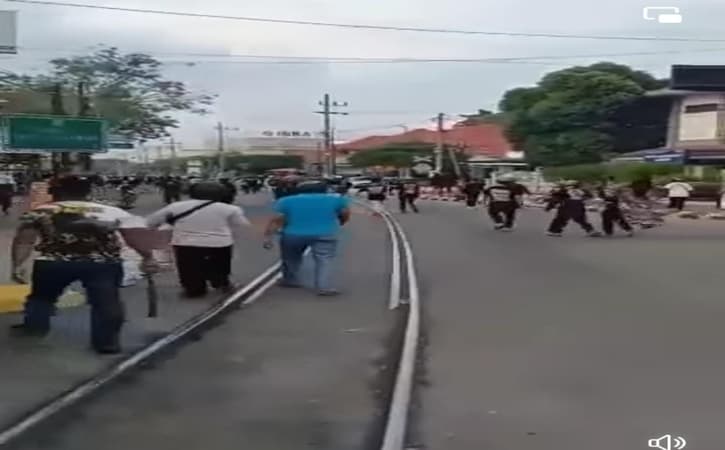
310, 218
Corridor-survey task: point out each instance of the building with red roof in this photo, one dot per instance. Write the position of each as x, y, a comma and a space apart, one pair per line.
487, 140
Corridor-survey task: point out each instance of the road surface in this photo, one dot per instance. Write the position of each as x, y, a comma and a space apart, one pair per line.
292, 371
567, 343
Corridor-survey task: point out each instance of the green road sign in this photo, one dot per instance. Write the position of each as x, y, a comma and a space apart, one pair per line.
33, 134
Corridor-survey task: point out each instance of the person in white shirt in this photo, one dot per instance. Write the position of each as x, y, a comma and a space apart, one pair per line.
678, 191
202, 237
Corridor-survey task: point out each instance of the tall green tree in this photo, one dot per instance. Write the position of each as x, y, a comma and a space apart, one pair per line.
127, 89
576, 115
394, 155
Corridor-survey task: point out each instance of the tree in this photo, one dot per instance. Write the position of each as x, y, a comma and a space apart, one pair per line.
394, 155
482, 116
259, 164
127, 89
577, 115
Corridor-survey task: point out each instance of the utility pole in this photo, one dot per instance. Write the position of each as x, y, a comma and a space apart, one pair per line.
56, 106
440, 144
84, 109
174, 167
327, 111
220, 147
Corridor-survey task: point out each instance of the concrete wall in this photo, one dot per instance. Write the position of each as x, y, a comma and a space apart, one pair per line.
699, 129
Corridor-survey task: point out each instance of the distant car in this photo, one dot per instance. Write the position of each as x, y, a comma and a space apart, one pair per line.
359, 184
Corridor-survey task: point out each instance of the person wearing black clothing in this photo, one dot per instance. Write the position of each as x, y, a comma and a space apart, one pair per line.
343, 188
408, 192
472, 189
255, 184
7, 190
283, 188
246, 186
376, 196
171, 187
612, 213
569, 201
502, 204
232, 191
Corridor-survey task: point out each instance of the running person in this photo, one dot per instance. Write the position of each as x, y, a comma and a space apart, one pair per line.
569, 201
408, 192
502, 203
376, 196
472, 189
612, 213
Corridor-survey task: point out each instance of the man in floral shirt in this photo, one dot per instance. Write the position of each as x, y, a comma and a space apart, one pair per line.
77, 240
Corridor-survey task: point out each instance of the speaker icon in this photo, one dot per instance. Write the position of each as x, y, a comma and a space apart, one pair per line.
668, 442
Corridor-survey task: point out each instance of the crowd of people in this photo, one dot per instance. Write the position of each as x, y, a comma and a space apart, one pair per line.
76, 239
621, 205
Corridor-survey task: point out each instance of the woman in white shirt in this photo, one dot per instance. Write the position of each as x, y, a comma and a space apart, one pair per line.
202, 237
678, 192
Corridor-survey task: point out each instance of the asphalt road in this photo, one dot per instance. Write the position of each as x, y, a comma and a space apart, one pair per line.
293, 371
35, 371
567, 343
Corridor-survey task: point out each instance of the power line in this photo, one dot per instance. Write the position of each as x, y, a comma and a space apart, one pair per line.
288, 59
279, 59
362, 26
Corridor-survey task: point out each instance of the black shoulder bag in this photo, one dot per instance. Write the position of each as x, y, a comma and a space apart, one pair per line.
171, 219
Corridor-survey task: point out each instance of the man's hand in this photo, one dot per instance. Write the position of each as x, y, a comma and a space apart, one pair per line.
268, 244
20, 275
149, 266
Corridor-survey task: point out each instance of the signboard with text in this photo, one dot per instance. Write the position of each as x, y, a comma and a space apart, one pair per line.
290, 133
41, 134
8, 32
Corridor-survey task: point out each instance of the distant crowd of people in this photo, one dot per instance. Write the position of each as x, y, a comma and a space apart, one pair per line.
79, 239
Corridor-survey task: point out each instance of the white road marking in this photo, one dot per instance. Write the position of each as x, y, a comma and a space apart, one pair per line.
83, 390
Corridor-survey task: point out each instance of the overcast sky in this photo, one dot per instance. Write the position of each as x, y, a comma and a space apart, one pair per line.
380, 96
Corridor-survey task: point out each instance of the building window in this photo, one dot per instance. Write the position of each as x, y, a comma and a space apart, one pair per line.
704, 107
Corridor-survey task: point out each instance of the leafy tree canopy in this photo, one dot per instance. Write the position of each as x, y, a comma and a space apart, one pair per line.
127, 89
579, 114
394, 155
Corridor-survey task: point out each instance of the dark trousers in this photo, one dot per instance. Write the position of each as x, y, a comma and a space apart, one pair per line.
405, 200
611, 215
101, 282
502, 213
171, 197
677, 203
564, 214
6, 201
199, 266
471, 199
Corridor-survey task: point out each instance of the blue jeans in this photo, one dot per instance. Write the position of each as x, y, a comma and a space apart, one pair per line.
324, 250
101, 282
